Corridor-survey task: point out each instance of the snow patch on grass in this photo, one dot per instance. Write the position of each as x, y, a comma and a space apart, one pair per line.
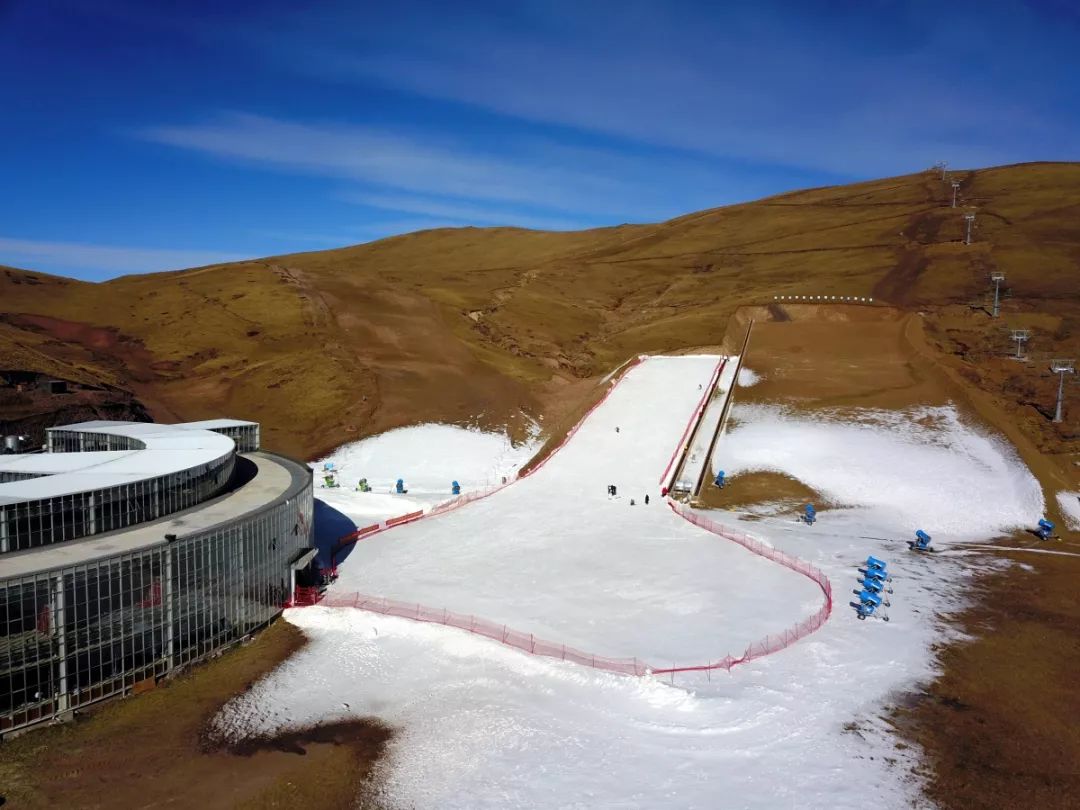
748, 377
1070, 507
923, 467
429, 458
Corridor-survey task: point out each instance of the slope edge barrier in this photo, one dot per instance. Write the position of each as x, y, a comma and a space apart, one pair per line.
683, 444
480, 494
771, 643
527, 642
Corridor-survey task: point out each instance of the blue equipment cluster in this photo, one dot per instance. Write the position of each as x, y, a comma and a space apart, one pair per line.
455, 488
810, 515
1045, 530
873, 590
719, 482
399, 487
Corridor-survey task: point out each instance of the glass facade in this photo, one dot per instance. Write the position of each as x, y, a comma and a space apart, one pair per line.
77, 441
29, 524
75, 635
246, 436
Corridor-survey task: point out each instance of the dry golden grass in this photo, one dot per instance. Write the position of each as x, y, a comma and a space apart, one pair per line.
475, 325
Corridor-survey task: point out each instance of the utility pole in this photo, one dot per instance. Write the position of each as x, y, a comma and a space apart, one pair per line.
970, 220
997, 278
1061, 368
1021, 336
955, 187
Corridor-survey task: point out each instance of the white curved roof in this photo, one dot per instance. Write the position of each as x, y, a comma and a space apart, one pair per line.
169, 449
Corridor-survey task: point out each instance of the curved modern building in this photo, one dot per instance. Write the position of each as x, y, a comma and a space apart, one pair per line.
128, 550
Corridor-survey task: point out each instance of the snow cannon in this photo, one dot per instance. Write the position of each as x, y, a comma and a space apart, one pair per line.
399, 487
872, 585
810, 515
865, 610
879, 574
363, 485
1045, 529
874, 562
864, 595
868, 598
922, 541
455, 488
719, 482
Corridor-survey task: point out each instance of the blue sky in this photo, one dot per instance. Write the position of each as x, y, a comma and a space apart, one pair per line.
141, 135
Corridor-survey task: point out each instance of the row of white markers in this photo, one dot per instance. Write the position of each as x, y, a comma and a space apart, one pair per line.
821, 298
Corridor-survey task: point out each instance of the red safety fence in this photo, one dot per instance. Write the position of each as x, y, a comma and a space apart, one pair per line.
305, 596
529, 643
526, 642
470, 497
772, 643
407, 518
694, 417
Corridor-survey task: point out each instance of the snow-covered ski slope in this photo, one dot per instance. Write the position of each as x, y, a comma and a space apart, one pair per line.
554, 556
480, 726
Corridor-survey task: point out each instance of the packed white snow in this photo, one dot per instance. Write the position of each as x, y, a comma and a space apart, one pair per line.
482, 726
429, 458
554, 556
1070, 507
748, 377
920, 468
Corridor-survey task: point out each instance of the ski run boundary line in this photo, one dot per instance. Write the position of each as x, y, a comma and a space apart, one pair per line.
695, 416
527, 642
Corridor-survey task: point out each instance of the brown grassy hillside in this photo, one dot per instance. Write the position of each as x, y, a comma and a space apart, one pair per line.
481, 324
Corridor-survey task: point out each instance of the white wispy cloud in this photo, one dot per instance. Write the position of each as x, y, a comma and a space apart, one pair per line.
461, 212
106, 260
389, 159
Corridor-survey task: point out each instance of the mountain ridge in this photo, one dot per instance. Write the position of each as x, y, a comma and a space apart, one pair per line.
492, 326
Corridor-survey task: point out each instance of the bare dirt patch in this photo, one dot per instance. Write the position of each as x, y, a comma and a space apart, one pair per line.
756, 489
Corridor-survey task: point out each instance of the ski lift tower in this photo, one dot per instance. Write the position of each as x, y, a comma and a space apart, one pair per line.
997, 278
941, 164
1021, 336
955, 188
1061, 368
969, 218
